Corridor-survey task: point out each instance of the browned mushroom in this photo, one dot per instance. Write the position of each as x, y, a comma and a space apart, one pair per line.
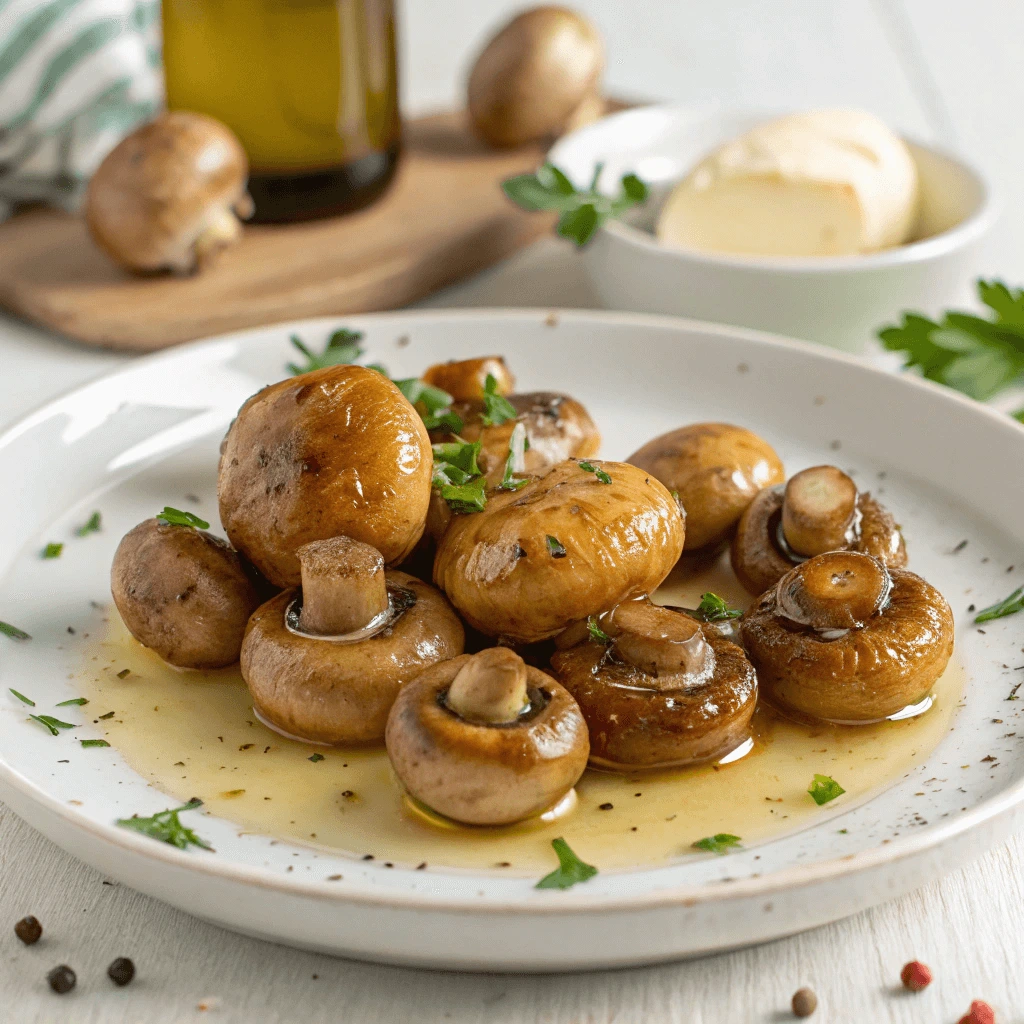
562, 548
717, 470
819, 510
538, 77
466, 379
326, 663
169, 195
485, 739
657, 688
335, 452
843, 638
183, 593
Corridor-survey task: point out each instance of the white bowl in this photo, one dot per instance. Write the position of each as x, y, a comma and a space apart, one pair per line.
840, 301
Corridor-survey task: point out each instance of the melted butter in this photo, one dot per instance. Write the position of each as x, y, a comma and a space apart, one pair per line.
194, 734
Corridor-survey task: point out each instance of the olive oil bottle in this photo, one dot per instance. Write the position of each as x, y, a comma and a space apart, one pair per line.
309, 86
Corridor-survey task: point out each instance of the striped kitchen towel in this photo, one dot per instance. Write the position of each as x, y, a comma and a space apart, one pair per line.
75, 76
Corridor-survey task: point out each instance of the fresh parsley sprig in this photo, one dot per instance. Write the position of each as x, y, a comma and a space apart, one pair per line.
1008, 606
497, 408
713, 608
570, 871
582, 211
458, 477
342, 347
720, 843
166, 826
977, 356
175, 517
824, 789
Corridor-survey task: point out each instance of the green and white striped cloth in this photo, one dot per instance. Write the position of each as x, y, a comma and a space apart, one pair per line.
75, 76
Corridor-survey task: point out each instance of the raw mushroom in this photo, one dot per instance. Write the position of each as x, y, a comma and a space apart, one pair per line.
537, 78
664, 690
169, 196
717, 469
183, 593
819, 510
562, 548
485, 739
325, 664
335, 452
841, 637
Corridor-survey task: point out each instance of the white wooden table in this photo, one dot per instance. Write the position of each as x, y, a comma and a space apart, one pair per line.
947, 70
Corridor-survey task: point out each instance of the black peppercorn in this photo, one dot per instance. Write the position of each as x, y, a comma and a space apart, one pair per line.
61, 979
28, 929
121, 971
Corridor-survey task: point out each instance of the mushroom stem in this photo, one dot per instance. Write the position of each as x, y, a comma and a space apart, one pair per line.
490, 688
666, 645
221, 229
818, 510
837, 590
343, 586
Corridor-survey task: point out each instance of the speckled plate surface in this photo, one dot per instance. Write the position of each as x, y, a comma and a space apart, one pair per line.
951, 470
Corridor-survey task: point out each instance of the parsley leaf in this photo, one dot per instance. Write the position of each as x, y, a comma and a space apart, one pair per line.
52, 550
458, 477
497, 408
51, 723
969, 353
175, 517
555, 547
596, 632
165, 826
1008, 606
570, 871
515, 462
720, 843
95, 743
91, 525
589, 467
713, 608
418, 393
342, 347
824, 788
582, 211
466, 498
13, 632
23, 698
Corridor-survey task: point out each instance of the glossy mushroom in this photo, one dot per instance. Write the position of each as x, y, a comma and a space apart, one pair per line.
335, 452
485, 739
465, 379
717, 470
183, 593
562, 548
325, 663
841, 637
170, 194
661, 690
819, 510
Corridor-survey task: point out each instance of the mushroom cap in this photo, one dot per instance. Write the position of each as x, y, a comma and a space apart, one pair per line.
620, 541
183, 593
328, 691
534, 75
717, 468
483, 774
633, 725
852, 675
760, 561
161, 186
465, 379
335, 452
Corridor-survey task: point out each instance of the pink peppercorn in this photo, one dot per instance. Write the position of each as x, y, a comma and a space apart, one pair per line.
915, 976
980, 1013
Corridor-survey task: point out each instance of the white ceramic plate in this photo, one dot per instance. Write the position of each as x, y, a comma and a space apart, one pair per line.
953, 470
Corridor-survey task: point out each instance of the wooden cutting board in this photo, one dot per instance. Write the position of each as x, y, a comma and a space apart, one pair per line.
443, 218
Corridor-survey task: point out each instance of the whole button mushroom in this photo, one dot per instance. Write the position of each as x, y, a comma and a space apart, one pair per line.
466, 379
538, 77
717, 469
485, 739
819, 510
325, 663
336, 452
183, 593
843, 638
170, 194
563, 547
657, 688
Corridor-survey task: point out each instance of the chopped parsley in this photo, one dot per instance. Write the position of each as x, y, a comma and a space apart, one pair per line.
555, 547
342, 347
23, 698
315, 757
52, 550
467, 498
497, 408
589, 467
713, 608
166, 826
175, 517
721, 843
570, 871
515, 462
51, 723
13, 632
596, 632
824, 789
95, 743
77, 701
91, 525
1008, 606
432, 399
458, 476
